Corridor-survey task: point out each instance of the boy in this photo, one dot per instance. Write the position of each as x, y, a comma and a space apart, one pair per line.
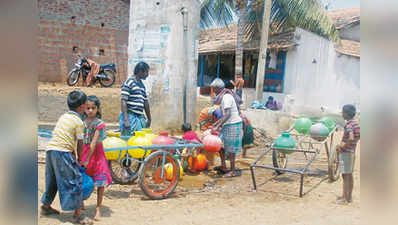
238, 84
62, 168
346, 152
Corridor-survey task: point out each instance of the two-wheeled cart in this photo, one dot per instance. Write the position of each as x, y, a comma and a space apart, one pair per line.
150, 170
310, 147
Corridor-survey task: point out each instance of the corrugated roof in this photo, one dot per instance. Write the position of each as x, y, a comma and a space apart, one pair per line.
344, 17
224, 40
348, 47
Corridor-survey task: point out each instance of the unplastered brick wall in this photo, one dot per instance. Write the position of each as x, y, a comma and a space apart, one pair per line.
96, 28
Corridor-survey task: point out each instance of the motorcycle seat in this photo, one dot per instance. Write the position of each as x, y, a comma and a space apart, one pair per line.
103, 66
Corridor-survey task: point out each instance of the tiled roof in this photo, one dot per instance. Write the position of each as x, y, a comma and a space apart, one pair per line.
224, 40
348, 47
344, 17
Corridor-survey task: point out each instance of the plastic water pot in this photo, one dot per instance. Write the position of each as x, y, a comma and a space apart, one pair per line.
284, 142
114, 142
140, 139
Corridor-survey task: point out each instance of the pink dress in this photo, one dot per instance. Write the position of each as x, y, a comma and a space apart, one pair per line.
190, 136
97, 167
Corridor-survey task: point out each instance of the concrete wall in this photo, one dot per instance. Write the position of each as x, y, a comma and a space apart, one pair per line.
351, 33
59, 33
156, 37
331, 81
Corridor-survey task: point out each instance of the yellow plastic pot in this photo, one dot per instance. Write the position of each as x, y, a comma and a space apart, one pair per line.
114, 142
140, 139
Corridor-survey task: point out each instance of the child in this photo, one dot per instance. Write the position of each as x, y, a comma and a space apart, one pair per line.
93, 157
188, 133
248, 136
346, 152
62, 168
238, 84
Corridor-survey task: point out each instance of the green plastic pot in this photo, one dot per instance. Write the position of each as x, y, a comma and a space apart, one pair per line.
284, 142
303, 125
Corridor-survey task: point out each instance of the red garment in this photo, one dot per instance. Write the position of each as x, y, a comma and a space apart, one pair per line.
190, 136
97, 167
95, 68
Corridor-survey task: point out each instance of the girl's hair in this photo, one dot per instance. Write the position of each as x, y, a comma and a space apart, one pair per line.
186, 127
95, 99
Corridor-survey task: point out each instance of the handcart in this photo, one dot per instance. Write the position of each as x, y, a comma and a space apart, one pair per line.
150, 170
310, 147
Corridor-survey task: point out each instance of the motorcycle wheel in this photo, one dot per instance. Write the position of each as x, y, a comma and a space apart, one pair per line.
73, 77
108, 82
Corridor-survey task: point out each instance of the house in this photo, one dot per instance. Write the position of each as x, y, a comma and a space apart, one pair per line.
302, 68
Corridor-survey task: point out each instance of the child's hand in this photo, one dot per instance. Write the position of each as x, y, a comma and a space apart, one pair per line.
85, 164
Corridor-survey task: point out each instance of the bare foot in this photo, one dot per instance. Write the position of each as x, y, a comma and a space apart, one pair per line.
342, 202
97, 216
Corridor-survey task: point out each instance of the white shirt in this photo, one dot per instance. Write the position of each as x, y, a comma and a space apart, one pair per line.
228, 102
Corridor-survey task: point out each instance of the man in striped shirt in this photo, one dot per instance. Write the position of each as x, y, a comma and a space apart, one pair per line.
347, 152
134, 101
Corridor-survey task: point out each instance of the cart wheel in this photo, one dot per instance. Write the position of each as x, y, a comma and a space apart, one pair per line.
124, 171
333, 161
153, 182
279, 160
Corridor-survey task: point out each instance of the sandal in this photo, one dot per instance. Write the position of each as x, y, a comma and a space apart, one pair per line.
49, 210
235, 173
220, 170
83, 220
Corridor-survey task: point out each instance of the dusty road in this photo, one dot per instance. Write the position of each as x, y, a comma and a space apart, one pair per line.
201, 199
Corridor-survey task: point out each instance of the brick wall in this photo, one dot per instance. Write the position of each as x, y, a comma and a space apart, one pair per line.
89, 25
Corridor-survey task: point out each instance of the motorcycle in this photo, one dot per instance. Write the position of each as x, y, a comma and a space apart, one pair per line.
106, 74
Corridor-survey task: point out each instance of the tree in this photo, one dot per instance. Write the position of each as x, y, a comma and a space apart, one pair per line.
308, 14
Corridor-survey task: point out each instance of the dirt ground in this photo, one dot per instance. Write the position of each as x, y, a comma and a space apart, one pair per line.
203, 199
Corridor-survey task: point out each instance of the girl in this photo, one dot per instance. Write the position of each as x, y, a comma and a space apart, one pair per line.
93, 156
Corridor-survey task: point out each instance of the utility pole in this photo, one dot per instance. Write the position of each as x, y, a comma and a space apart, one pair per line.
263, 50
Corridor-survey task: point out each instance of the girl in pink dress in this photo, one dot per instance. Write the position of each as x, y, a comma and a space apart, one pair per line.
93, 156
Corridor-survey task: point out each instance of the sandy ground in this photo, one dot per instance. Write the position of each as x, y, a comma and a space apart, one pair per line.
202, 199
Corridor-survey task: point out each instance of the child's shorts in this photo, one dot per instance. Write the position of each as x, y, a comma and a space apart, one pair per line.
346, 162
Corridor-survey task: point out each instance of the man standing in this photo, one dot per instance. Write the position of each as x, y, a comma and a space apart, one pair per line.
134, 101
238, 84
231, 127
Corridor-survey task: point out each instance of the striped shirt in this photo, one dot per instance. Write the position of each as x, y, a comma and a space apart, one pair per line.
351, 126
134, 93
68, 130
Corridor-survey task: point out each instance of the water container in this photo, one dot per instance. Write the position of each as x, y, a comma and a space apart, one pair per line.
139, 140
212, 143
328, 122
303, 125
200, 162
114, 142
319, 132
283, 142
169, 171
88, 183
148, 132
163, 139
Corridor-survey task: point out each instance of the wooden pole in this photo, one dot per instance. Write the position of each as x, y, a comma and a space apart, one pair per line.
263, 50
